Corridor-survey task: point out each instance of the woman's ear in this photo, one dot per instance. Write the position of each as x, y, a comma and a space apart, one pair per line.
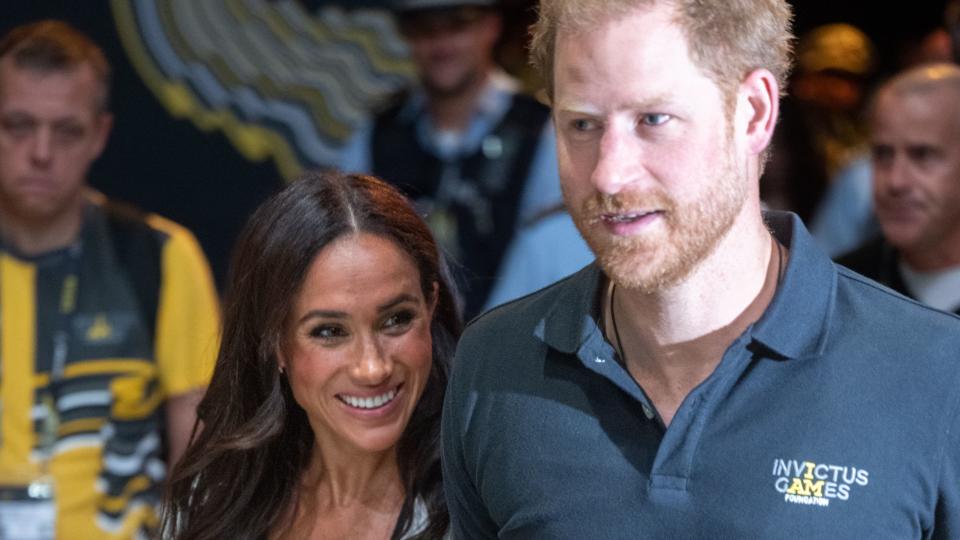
281, 359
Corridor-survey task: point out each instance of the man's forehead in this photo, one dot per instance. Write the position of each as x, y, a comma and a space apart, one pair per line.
656, 75
916, 119
938, 104
66, 82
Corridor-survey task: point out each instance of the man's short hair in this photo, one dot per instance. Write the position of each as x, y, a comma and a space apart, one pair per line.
52, 46
727, 38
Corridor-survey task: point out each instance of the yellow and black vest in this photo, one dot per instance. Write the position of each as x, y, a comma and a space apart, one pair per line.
87, 341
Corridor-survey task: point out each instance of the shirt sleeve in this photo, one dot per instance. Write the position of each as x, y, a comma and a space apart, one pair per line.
947, 519
188, 315
469, 518
542, 190
538, 256
845, 219
355, 156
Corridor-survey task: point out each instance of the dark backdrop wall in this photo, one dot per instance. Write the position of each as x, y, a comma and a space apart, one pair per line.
168, 165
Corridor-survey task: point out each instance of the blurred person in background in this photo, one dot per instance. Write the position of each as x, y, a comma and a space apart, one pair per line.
819, 167
845, 219
477, 156
915, 140
109, 315
323, 415
546, 251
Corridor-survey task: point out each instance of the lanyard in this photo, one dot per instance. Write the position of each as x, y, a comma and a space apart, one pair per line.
66, 309
65, 313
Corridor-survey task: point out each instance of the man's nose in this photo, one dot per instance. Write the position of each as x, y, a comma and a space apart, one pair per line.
41, 147
618, 160
896, 176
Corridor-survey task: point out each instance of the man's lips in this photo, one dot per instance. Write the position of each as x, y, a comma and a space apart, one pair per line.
629, 222
900, 209
37, 184
627, 217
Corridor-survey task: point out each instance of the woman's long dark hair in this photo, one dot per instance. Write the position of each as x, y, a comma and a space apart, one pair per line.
241, 471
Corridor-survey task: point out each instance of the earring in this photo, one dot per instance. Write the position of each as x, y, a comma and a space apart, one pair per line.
280, 369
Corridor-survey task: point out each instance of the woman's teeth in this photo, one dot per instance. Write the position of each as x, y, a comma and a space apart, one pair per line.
369, 402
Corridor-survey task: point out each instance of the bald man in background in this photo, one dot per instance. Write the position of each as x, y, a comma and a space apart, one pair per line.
915, 141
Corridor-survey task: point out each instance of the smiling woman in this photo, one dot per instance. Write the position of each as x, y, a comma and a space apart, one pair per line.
322, 418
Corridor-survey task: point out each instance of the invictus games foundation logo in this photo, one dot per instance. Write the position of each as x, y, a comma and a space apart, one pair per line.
816, 484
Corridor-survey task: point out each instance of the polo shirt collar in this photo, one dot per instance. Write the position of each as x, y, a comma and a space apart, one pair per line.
573, 317
795, 325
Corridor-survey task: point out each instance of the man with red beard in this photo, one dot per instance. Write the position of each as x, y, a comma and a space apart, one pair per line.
915, 138
714, 375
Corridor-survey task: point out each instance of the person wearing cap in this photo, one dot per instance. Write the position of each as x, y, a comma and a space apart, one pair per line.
823, 139
477, 156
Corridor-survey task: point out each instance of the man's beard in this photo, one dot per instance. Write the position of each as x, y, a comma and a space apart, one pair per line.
690, 232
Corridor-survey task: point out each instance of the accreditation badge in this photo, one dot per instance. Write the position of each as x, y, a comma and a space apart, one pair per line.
28, 512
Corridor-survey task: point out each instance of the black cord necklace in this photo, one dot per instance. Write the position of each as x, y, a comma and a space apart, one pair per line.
613, 309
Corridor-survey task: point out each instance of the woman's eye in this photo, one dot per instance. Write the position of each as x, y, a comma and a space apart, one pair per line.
327, 332
399, 320
655, 119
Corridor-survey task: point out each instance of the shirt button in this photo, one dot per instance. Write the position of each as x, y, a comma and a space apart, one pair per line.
599, 360
647, 411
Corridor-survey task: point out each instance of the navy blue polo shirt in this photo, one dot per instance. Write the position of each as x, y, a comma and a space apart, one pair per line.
833, 416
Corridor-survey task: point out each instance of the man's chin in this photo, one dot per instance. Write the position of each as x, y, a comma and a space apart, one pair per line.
31, 208
447, 86
902, 236
641, 270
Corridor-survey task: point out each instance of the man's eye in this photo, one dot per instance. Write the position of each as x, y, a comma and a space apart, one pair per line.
70, 133
583, 124
922, 153
17, 128
655, 119
881, 152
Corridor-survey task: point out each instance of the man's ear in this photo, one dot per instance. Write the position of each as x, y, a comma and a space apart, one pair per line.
492, 24
758, 105
103, 126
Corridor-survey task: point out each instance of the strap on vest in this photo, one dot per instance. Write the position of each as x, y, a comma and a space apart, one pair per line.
139, 252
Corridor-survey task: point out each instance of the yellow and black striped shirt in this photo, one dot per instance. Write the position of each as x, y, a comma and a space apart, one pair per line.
135, 303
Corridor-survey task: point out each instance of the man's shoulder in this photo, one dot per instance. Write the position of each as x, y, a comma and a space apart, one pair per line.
521, 322
391, 106
127, 222
892, 324
526, 114
868, 258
